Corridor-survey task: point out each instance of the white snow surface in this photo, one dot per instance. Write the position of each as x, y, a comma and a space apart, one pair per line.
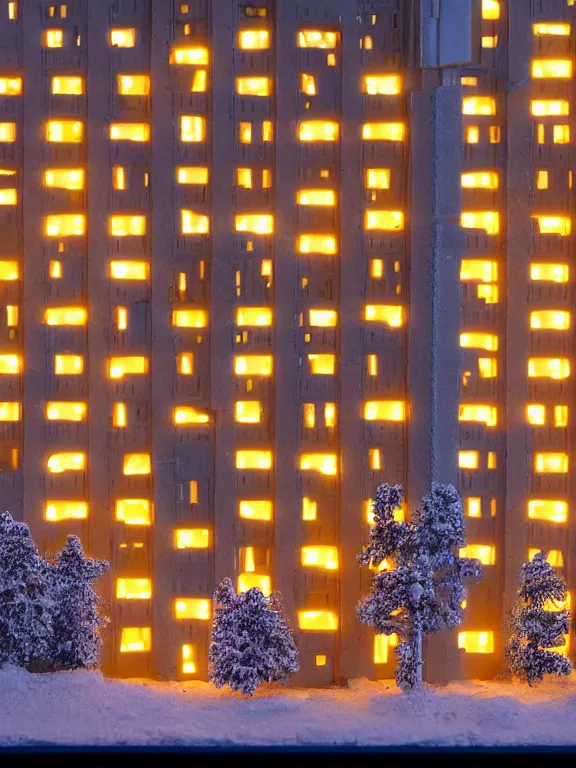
86, 708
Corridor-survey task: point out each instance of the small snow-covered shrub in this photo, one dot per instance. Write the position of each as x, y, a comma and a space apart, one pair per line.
251, 640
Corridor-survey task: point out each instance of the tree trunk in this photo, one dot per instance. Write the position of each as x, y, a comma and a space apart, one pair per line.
418, 657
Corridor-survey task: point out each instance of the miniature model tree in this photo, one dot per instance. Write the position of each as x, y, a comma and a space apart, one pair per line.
251, 640
77, 616
534, 629
421, 591
25, 605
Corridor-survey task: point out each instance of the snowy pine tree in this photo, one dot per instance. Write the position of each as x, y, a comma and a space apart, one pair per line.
421, 591
76, 614
251, 641
25, 605
534, 629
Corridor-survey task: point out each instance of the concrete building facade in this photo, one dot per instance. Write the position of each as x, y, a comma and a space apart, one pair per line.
256, 259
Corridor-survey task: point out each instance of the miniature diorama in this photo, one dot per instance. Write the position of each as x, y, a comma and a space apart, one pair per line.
286, 365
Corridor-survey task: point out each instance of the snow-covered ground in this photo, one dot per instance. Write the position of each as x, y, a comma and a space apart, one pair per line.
85, 708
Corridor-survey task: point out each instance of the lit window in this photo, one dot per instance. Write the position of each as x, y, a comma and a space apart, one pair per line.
66, 316
254, 39
133, 85
192, 128
487, 367
192, 538
476, 642
312, 38
550, 319
554, 225
389, 314
10, 411
324, 463
64, 178
483, 552
551, 68
468, 459
67, 86
494, 134
541, 179
64, 131
191, 56
550, 462
12, 10
487, 341
188, 659
53, 38
557, 273
134, 511
245, 133
119, 415
307, 84
486, 220
549, 107
377, 178
258, 223
65, 411
192, 608
489, 41
323, 318
309, 509
135, 639
318, 130
372, 365
478, 269
473, 507
382, 85
320, 557
478, 105
536, 414
383, 131
129, 132
194, 223
480, 180
561, 134
129, 270
253, 86
317, 244
469, 81
122, 318
189, 318
384, 220
9, 270
186, 414
490, 10
11, 315
253, 365
185, 363
484, 414
125, 226
66, 462
253, 459
123, 38
554, 28
555, 557
192, 175
472, 134
118, 367
68, 365
255, 510
137, 464
382, 645
318, 621
549, 367
560, 415
385, 410
8, 197
7, 132
248, 581
309, 415
244, 178
316, 197
10, 364
322, 364
546, 509
199, 81
266, 178
65, 225
133, 589
254, 316
65, 510
247, 412
489, 293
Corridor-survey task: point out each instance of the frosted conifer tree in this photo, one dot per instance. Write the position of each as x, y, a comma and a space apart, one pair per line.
421, 590
251, 641
534, 629
77, 616
25, 606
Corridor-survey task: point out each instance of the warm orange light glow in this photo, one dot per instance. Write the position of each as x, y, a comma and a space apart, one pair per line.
561, 134
560, 415
7, 132
134, 511
192, 175
192, 128
10, 411
551, 462
67, 86
325, 244
546, 509
66, 462
65, 225
247, 412
126, 226
65, 411
555, 557
487, 367
382, 85
478, 269
556, 273
253, 365
192, 538
472, 134
9, 270
193, 56
187, 414
66, 316
476, 642
323, 318
316, 197
473, 506
260, 581
313, 38
489, 41
382, 646
491, 9
253, 459
486, 220
193, 608
384, 220
549, 367
188, 659
487, 341
137, 464
480, 180
135, 639
133, 589
320, 557
549, 107
189, 318
554, 225
129, 270
119, 415
133, 85
551, 68
550, 319
8, 197
536, 414
64, 178
478, 105
65, 510
64, 131
53, 38
194, 223
322, 364
385, 410
258, 224
253, 86
253, 316
551, 28
483, 414
391, 315
468, 459
486, 553
123, 38
254, 39
253, 509
318, 130
309, 509
383, 131
324, 463
318, 621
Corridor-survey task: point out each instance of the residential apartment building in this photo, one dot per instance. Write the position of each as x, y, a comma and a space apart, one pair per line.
256, 259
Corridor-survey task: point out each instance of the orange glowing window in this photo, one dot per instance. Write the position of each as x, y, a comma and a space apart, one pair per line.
137, 464
192, 128
64, 131
476, 642
487, 367
489, 41
255, 509
134, 511
486, 553
320, 557
480, 180
472, 133
384, 220
313, 38
253, 316
135, 639
390, 315
193, 608
318, 621
66, 316
483, 414
556, 273
551, 28
66, 411
253, 365
383, 131
536, 414
119, 415
8, 197
187, 414
487, 341
65, 510
129, 270
10, 411
133, 85
549, 107
551, 462
468, 459
123, 38
189, 659
318, 130
549, 367
132, 365
385, 410
478, 269
489, 221
550, 319
490, 10
324, 244
258, 223
478, 105
64, 178
7, 132
316, 197
189, 318
192, 538
190, 56
561, 134
65, 225
53, 38
323, 318
253, 459
548, 510
555, 557
68, 365
382, 85
473, 506
194, 223
254, 39
560, 415
133, 589
382, 646
324, 463
253, 86
377, 178
309, 509
322, 364
307, 84
551, 68
192, 175
67, 86
9, 270
554, 225
129, 132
